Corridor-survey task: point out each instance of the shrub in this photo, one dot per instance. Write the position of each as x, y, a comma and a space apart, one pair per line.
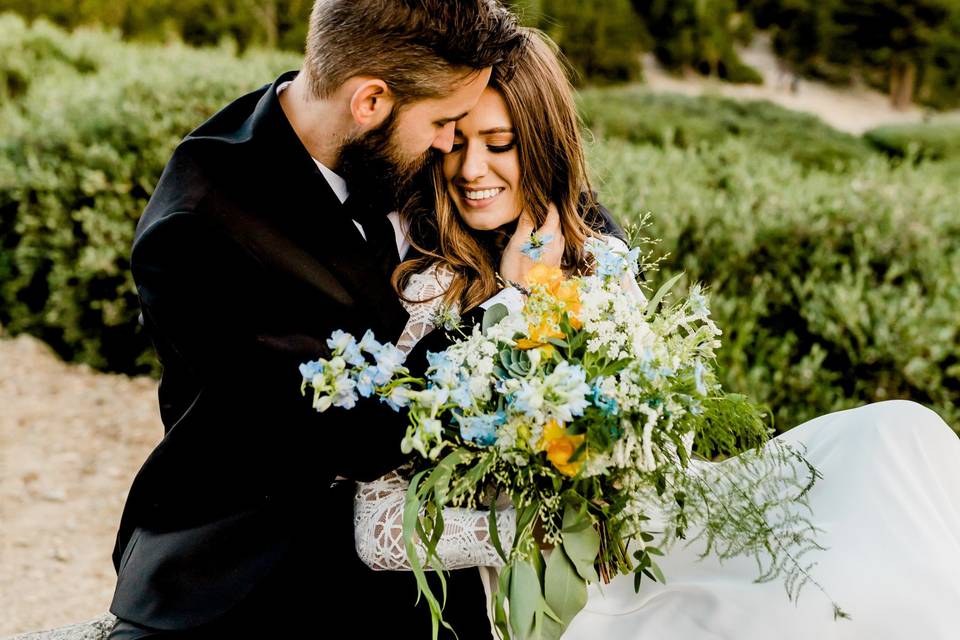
670, 120
834, 289
932, 141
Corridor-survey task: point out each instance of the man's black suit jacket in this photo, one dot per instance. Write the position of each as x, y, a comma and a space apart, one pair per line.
245, 261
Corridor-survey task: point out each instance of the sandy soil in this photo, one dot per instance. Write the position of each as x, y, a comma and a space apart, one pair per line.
851, 109
71, 441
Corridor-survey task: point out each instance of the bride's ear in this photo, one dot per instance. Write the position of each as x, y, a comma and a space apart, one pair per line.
371, 101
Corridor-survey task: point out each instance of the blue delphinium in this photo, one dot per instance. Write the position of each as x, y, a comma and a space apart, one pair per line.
345, 345
389, 358
481, 430
533, 248
310, 370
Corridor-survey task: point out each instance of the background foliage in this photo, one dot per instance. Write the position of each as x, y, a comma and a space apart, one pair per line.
909, 48
834, 260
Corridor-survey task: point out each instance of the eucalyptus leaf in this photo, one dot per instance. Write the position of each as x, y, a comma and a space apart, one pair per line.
581, 542
493, 315
526, 599
564, 589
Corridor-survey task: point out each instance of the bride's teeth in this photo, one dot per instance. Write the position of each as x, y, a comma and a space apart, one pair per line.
482, 195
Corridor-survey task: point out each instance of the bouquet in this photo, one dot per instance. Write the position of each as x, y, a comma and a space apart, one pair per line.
585, 408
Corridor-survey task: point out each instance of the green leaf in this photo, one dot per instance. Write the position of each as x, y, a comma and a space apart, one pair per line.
565, 590
526, 599
493, 315
499, 610
494, 532
411, 523
469, 480
661, 292
439, 480
581, 542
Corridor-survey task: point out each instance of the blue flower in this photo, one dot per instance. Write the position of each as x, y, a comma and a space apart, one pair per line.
533, 248
310, 370
369, 344
346, 395
698, 372
462, 396
611, 263
443, 371
399, 397
365, 384
481, 430
389, 360
343, 344
698, 302
606, 404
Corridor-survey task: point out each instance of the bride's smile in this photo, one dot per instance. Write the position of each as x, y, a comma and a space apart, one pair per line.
482, 170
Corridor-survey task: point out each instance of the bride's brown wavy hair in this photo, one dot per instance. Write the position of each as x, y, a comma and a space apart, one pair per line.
553, 168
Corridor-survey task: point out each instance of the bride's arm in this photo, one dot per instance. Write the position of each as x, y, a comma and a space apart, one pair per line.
378, 530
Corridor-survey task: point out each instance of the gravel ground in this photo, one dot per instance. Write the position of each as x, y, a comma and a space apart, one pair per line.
71, 441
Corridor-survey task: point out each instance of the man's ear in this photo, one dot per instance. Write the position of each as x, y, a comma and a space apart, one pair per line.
370, 102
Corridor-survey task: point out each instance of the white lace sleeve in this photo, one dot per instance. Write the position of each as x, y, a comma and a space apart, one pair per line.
378, 530
629, 283
426, 290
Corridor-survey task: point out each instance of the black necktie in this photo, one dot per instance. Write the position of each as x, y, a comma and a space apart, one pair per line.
378, 231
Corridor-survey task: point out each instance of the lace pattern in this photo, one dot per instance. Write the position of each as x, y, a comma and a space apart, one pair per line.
426, 289
378, 530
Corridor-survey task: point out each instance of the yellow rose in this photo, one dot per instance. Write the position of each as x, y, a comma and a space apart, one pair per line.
560, 447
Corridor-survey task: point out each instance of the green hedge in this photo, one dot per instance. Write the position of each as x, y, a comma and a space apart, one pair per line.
933, 141
636, 115
80, 153
833, 289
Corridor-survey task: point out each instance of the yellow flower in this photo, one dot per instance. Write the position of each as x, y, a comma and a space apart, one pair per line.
560, 447
568, 294
550, 278
539, 334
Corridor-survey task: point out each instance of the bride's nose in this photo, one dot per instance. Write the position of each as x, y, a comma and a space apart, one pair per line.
474, 163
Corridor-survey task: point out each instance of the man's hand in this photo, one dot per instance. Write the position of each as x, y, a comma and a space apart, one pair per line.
514, 264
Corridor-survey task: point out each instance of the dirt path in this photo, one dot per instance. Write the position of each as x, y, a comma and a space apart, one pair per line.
71, 441
851, 109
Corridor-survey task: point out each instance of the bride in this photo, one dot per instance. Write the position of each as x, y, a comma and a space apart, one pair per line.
888, 504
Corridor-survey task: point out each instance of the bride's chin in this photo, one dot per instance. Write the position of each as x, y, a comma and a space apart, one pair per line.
474, 224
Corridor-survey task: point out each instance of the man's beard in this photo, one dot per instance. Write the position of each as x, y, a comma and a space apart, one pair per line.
376, 170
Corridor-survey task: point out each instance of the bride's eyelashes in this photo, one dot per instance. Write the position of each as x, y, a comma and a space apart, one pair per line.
492, 148
502, 148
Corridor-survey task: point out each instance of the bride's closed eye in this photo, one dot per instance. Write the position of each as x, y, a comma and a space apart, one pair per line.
492, 148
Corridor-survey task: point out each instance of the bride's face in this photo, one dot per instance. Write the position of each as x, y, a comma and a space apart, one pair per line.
483, 169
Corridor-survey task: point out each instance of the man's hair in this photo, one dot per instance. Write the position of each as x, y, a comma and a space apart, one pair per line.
420, 48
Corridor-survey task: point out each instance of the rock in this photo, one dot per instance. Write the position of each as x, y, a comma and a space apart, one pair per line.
96, 629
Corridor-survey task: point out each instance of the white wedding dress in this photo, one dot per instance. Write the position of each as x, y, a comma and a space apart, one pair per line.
888, 506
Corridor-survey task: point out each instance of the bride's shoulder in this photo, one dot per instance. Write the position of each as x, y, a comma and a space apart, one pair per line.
436, 275
427, 286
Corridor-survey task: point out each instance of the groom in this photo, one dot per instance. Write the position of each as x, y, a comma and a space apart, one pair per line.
266, 232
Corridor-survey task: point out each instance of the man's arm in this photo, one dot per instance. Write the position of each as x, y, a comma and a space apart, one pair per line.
198, 289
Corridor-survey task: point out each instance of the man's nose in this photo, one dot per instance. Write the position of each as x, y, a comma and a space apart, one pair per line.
444, 140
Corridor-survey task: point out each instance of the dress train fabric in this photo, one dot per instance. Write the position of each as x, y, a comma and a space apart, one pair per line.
889, 507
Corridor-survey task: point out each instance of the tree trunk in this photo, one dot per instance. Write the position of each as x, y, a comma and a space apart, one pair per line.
903, 77
265, 12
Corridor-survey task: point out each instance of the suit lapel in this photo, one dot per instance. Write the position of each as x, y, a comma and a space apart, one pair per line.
316, 236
